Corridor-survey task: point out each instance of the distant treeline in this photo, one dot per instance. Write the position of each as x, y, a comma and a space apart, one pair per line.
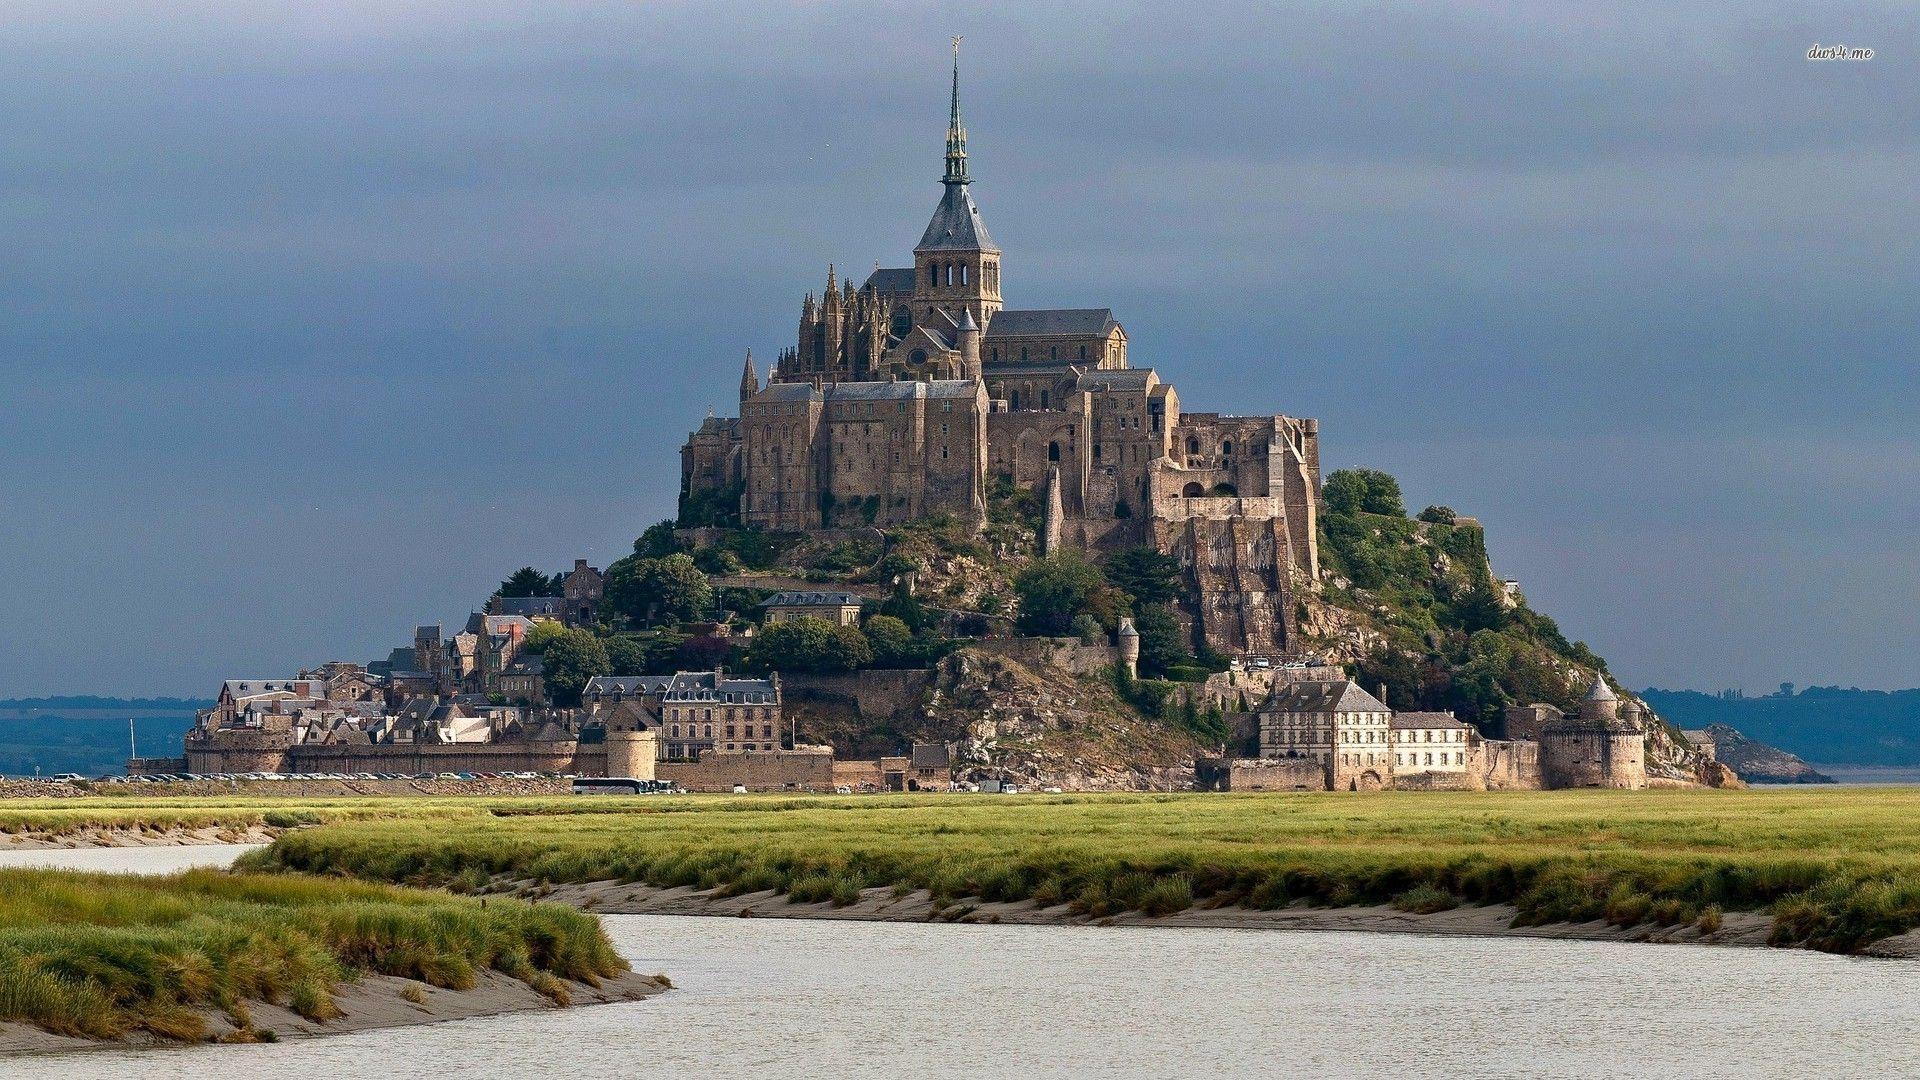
91, 701
1823, 724
90, 746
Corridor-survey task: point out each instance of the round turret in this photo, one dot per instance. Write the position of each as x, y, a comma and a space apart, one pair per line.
1129, 646
1601, 702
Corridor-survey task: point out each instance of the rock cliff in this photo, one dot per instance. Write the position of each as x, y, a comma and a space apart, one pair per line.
1759, 763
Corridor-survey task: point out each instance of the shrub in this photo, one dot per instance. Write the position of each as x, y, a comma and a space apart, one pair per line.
1425, 900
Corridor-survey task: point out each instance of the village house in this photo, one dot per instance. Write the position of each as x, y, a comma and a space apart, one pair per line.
839, 608
1430, 742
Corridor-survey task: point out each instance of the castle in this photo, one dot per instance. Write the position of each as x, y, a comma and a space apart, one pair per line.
904, 396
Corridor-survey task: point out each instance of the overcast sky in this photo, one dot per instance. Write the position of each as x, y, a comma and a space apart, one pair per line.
315, 324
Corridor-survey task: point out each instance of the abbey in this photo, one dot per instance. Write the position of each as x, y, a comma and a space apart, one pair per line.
905, 396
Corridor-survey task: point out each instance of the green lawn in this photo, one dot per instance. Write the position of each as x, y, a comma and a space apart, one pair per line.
1837, 867
104, 955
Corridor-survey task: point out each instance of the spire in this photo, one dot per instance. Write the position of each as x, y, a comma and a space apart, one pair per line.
956, 134
749, 379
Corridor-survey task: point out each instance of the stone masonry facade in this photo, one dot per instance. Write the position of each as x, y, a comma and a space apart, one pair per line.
904, 396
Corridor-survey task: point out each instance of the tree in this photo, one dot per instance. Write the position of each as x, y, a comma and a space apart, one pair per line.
847, 650
1163, 645
903, 605
717, 560
1145, 574
891, 639
527, 581
1479, 608
570, 659
542, 635
1439, 515
703, 653
625, 655
809, 645
647, 591
1056, 589
657, 542
1363, 491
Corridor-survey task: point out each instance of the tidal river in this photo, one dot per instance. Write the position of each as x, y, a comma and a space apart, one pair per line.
773, 997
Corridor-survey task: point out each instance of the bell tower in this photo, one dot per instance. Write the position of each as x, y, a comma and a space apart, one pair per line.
956, 265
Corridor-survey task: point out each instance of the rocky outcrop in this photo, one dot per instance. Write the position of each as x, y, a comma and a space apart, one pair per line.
1031, 721
1759, 763
1044, 728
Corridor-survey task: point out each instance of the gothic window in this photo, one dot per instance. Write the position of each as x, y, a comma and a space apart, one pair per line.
1096, 451
1053, 352
933, 273
994, 354
1193, 445
1043, 399
1014, 401
1053, 451
1023, 354
1226, 448
963, 273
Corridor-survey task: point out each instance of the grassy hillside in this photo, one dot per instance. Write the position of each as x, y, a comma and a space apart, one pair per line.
105, 955
1835, 869
1825, 724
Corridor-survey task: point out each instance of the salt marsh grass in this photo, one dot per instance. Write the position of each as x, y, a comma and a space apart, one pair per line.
104, 956
1836, 868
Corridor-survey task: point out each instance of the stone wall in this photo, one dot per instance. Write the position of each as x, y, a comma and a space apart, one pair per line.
1276, 774
1067, 654
876, 693
756, 770
1506, 765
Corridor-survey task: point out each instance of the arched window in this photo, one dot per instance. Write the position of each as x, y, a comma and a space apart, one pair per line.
902, 320
1193, 445
1023, 354
1226, 447
1043, 399
994, 354
933, 273
1192, 491
949, 273
1053, 451
963, 273
1096, 451
1083, 352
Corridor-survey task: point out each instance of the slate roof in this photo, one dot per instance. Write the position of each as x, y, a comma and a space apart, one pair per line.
627, 685
719, 687
956, 225
526, 664
1320, 697
530, 605
931, 756
1051, 322
1122, 379
1601, 691
1406, 720
869, 391
812, 599
892, 279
